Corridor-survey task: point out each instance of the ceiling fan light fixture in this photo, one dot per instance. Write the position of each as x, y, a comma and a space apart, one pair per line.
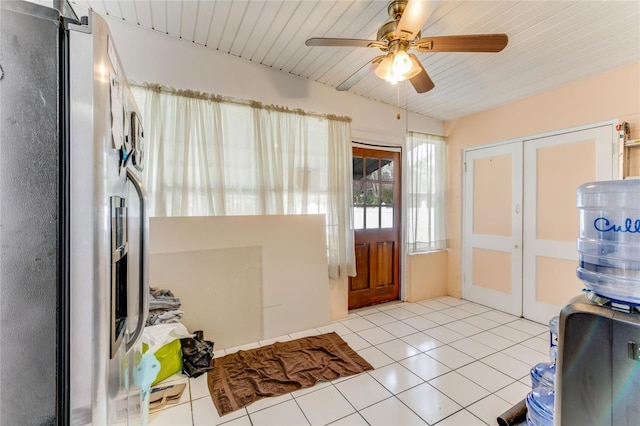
385, 69
415, 68
398, 66
401, 63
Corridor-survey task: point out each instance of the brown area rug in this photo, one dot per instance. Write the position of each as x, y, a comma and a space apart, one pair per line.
244, 377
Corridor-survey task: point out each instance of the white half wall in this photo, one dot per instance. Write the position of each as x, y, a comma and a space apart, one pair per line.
153, 57
233, 293
220, 291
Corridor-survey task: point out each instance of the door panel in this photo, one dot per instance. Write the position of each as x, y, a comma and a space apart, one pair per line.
361, 280
376, 208
492, 227
386, 251
485, 263
492, 209
551, 222
556, 282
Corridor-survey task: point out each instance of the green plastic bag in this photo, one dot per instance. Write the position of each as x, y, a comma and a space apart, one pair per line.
170, 358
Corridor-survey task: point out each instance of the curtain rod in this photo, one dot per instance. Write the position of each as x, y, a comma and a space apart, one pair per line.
194, 94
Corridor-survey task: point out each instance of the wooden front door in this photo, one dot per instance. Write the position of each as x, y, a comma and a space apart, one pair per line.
376, 209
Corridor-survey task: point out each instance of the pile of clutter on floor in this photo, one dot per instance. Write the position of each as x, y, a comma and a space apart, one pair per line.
163, 307
168, 349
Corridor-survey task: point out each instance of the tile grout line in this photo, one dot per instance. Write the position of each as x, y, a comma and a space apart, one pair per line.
399, 336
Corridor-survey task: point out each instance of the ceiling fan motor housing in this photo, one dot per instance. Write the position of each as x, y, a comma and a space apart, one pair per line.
396, 8
387, 32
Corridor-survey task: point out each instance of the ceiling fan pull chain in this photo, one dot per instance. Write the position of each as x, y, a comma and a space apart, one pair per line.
398, 91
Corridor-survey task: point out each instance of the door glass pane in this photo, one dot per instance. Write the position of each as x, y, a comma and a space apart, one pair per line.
358, 218
373, 217
372, 169
386, 195
358, 192
386, 217
358, 168
372, 196
387, 170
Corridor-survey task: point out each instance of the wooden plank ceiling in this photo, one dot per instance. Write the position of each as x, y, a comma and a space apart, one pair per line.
551, 43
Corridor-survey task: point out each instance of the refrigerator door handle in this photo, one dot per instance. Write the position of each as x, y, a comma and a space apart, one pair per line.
144, 244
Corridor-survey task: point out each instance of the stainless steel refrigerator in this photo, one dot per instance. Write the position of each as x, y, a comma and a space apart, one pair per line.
73, 223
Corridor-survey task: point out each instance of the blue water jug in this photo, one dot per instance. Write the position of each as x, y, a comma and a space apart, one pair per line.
540, 407
609, 240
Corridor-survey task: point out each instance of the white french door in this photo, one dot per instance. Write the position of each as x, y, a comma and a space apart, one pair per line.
554, 167
492, 227
520, 221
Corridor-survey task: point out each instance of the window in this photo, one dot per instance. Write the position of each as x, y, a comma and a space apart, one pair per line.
373, 190
208, 156
426, 192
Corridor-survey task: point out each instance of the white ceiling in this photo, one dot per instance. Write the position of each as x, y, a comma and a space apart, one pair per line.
551, 43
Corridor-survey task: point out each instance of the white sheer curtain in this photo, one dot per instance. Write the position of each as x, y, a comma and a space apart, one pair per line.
183, 172
209, 156
339, 211
426, 192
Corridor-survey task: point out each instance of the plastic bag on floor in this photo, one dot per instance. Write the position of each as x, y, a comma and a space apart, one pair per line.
163, 341
197, 354
156, 336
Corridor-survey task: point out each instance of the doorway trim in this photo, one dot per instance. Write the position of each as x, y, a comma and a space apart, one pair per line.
403, 251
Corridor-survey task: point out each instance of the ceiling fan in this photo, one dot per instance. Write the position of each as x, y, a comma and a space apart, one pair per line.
402, 34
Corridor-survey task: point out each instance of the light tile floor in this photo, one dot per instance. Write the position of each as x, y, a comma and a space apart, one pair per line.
442, 361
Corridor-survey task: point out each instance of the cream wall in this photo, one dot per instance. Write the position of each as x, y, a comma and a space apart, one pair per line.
426, 276
148, 56
608, 96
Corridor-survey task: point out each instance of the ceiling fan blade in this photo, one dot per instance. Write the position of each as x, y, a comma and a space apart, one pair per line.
413, 18
357, 76
463, 43
421, 81
339, 42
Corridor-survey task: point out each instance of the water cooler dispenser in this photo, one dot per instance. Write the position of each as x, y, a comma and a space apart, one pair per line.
598, 367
